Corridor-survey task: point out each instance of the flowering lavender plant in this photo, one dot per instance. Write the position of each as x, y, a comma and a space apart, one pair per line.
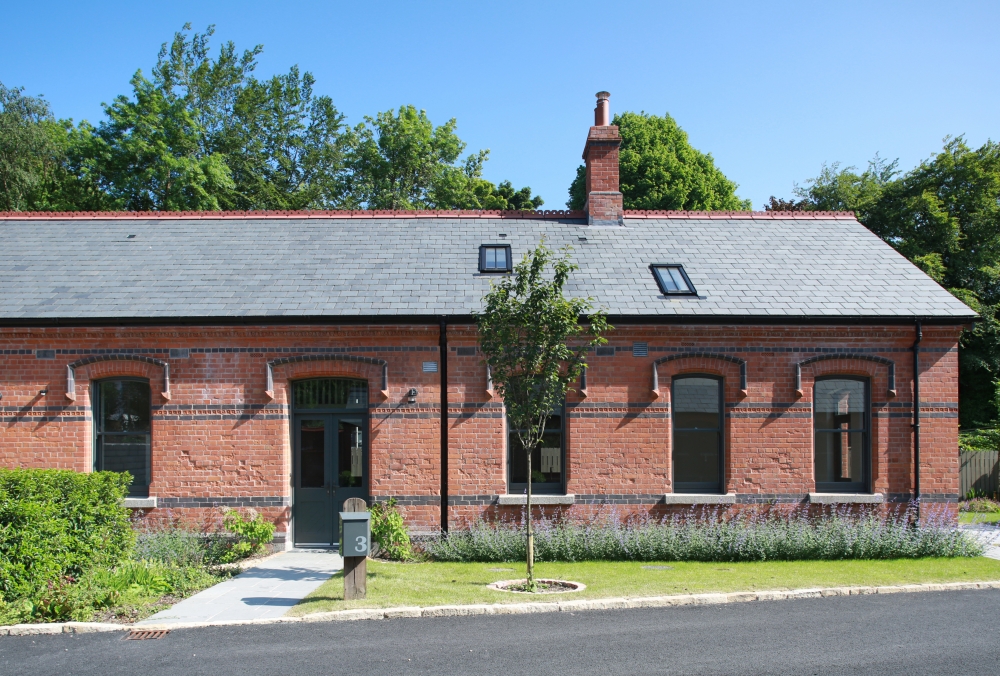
756, 534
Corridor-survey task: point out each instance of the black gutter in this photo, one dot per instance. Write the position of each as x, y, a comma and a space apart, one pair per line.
916, 412
443, 344
430, 320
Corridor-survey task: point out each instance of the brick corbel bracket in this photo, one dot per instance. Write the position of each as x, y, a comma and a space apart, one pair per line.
703, 355
843, 355
490, 392
71, 370
327, 357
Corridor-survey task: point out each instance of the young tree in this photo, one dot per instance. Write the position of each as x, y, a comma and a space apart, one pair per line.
660, 169
536, 347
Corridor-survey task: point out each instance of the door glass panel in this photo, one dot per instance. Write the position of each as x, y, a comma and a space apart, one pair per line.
351, 449
312, 445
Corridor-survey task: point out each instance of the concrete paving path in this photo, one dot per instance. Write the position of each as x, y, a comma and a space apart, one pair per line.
264, 591
989, 535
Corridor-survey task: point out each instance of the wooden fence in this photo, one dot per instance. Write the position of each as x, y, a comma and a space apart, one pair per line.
979, 472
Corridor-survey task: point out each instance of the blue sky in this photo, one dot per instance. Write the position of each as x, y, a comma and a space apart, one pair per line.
771, 89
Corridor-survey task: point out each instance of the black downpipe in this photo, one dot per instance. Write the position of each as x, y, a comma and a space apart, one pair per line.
916, 412
443, 344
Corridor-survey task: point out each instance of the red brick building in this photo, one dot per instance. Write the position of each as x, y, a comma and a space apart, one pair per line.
288, 361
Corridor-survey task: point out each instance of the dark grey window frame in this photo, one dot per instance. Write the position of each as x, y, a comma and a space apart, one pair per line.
863, 486
689, 486
548, 488
482, 258
654, 268
136, 489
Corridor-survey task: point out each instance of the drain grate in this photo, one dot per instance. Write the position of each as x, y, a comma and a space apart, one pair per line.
140, 635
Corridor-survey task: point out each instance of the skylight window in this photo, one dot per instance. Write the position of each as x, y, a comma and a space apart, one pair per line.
672, 279
494, 258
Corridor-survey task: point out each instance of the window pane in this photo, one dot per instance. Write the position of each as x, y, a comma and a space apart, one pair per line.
350, 447
491, 258
839, 404
120, 453
546, 459
124, 406
839, 457
696, 457
678, 279
666, 280
696, 403
330, 393
313, 454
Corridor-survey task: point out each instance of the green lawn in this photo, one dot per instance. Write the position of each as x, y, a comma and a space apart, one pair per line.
429, 584
979, 517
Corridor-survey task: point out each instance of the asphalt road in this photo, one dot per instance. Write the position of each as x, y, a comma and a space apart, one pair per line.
925, 633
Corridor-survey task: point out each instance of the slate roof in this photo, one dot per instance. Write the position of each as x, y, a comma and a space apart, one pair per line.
753, 268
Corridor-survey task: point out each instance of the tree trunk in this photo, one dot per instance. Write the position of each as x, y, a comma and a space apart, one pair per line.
531, 534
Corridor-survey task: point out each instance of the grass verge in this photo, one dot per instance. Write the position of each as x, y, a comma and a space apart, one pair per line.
433, 583
979, 517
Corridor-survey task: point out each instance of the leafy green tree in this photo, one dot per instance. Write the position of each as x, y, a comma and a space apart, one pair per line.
40, 162
148, 154
659, 169
25, 148
536, 348
283, 145
943, 215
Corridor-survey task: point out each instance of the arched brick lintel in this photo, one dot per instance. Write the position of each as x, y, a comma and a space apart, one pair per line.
87, 361
891, 365
742, 363
281, 361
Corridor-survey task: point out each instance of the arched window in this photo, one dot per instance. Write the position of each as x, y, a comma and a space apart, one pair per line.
698, 446
840, 417
122, 430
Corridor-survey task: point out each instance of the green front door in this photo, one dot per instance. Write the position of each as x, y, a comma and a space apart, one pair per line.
330, 467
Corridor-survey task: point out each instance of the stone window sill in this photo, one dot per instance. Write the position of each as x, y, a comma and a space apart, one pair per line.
537, 499
846, 498
699, 499
139, 503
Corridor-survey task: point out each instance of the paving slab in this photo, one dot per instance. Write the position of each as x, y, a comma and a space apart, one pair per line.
265, 591
988, 534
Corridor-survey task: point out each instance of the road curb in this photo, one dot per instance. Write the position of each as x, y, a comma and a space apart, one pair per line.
619, 603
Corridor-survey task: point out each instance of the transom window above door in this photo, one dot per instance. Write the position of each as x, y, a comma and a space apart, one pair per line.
330, 393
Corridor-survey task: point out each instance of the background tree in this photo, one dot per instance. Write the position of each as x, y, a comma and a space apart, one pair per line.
400, 160
944, 216
532, 339
659, 169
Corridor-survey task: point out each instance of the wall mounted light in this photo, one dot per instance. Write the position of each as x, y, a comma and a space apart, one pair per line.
412, 394
43, 392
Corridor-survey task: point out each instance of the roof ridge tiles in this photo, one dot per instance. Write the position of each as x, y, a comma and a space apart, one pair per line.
541, 214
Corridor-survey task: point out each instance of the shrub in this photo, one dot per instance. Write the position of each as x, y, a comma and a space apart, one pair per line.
986, 439
171, 542
710, 535
389, 531
59, 523
980, 506
249, 536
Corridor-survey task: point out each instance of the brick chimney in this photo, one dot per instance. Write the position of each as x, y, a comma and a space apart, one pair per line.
604, 199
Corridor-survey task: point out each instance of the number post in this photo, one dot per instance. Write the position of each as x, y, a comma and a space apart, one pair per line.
355, 545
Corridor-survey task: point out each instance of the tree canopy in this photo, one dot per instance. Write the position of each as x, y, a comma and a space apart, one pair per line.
659, 169
944, 216
204, 133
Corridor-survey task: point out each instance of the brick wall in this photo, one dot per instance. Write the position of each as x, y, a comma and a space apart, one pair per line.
219, 439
